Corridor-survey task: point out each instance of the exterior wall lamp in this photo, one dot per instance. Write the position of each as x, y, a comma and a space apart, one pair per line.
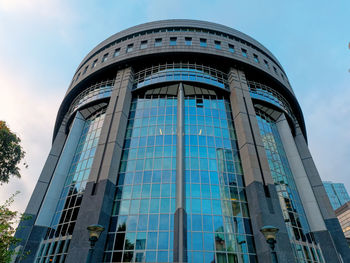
94, 234
270, 233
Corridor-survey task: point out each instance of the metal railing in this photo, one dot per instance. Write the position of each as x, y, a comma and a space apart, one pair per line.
265, 93
94, 92
178, 72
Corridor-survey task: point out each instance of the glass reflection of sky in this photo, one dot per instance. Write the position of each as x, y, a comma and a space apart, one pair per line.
184, 74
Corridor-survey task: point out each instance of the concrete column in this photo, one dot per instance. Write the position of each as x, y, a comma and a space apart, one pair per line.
29, 233
263, 202
333, 240
99, 194
312, 211
180, 244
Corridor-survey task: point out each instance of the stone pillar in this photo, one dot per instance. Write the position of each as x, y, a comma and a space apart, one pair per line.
180, 217
96, 206
30, 233
312, 211
333, 239
263, 202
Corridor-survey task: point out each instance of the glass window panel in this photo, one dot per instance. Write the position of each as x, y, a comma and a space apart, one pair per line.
119, 241
141, 240
196, 223
151, 240
207, 223
197, 241
163, 240
164, 222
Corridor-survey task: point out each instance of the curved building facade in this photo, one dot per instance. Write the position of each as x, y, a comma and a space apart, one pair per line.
183, 139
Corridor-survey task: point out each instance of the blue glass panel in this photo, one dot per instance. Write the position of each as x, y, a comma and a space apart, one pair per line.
152, 240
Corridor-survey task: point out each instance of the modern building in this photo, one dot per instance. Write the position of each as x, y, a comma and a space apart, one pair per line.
337, 194
183, 139
343, 214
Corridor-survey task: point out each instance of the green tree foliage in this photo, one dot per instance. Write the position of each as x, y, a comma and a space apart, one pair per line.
11, 153
8, 219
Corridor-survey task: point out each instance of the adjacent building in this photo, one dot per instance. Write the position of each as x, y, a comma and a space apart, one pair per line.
343, 214
183, 139
337, 194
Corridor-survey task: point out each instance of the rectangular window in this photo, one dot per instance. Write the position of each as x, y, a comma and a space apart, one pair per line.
217, 44
266, 64
116, 52
173, 41
203, 42
231, 48
275, 69
143, 44
244, 53
256, 58
158, 42
129, 48
199, 102
281, 76
105, 57
85, 69
94, 64
77, 77
188, 41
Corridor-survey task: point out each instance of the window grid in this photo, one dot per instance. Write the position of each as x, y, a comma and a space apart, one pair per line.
141, 226
301, 238
55, 245
182, 29
263, 92
177, 71
97, 91
218, 224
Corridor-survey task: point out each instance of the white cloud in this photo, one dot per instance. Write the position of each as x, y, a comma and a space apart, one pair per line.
54, 10
30, 114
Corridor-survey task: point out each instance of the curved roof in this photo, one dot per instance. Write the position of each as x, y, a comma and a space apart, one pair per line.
259, 58
177, 23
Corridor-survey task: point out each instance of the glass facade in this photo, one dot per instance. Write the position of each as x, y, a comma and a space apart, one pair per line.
344, 219
55, 245
337, 194
172, 180
142, 221
304, 247
218, 225
141, 227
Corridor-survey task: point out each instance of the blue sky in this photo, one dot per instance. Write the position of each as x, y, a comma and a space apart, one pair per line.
43, 41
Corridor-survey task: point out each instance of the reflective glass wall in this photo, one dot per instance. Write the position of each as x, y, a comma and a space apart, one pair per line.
141, 227
218, 225
304, 247
55, 245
